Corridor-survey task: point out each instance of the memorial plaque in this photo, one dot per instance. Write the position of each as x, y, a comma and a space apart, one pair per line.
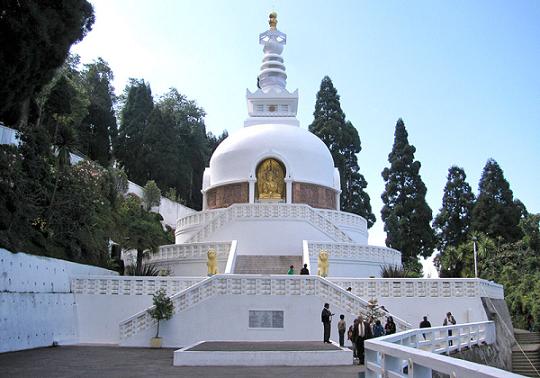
265, 319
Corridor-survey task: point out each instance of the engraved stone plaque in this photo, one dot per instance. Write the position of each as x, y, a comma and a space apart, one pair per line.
265, 319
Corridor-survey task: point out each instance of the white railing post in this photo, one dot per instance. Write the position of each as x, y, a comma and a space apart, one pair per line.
419, 371
231, 260
391, 364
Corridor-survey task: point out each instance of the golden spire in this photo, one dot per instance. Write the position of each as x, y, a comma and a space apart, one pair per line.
273, 20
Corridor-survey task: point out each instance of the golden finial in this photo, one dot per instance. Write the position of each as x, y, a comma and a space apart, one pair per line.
273, 20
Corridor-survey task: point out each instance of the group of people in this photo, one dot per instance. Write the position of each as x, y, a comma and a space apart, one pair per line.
303, 271
361, 330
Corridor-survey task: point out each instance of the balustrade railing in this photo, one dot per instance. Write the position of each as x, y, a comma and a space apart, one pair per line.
122, 285
421, 287
281, 211
255, 285
197, 218
187, 251
417, 352
346, 219
352, 251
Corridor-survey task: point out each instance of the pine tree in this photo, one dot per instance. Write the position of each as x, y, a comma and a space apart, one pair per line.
342, 140
495, 212
98, 128
137, 106
453, 222
405, 213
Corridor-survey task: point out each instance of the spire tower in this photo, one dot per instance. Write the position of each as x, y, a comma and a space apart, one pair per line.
272, 102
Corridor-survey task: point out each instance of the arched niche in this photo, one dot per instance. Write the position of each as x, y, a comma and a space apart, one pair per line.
270, 185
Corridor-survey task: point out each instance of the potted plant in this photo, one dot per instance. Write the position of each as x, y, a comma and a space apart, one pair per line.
162, 310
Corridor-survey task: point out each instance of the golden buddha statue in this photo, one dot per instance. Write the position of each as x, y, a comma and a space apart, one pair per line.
270, 180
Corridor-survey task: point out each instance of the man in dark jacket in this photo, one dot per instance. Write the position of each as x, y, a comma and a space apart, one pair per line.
304, 270
425, 324
361, 333
326, 318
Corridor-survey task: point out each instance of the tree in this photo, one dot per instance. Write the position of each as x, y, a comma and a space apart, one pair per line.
29, 56
405, 213
139, 229
136, 108
98, 129
214, 141
495, 212
163, 308
185, 120
342, 139
151, 195
453, 222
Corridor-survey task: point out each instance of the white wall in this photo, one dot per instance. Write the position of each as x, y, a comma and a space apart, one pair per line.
169, 210
98, 316
36, 305
226, 318
279, 236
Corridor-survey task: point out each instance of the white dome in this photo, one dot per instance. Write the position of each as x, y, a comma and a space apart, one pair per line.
306, 157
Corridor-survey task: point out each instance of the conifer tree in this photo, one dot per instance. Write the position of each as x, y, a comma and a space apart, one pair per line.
342, 139
405, 213
453, 222
98, 128
137, 106
495, 212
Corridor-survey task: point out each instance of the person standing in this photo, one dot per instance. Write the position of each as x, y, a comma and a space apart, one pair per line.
291, 270
304, 271
378, 329
425, 324
361, 333
341, 327
326, 318
449, 320
390, 326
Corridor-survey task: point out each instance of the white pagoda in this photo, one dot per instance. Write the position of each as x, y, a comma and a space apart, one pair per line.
271, 196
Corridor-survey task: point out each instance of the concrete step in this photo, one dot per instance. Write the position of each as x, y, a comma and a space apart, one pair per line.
527, 337
258, 264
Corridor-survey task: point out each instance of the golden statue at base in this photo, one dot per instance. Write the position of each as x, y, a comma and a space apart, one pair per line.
322, 263
212, 262
270, 180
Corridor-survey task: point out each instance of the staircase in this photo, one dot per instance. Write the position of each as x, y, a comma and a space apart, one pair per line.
522, 360
267, 264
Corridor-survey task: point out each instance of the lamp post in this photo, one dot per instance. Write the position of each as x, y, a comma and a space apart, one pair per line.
474, 239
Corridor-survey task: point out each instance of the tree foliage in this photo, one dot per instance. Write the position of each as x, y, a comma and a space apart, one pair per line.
98, 129
139, 229
341, 138
151, 195
515, 265
453, 222
495, 212
405, 213
35, 37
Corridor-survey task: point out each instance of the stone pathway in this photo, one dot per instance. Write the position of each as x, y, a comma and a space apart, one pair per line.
110, 361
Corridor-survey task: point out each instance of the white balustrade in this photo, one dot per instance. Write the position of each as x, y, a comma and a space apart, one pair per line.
190, 251
356, 252
419, 351
269, 211
124, 285
255, 285
201, 217
421, 287
344, 218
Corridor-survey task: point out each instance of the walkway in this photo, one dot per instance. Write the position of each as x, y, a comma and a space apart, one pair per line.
110, 361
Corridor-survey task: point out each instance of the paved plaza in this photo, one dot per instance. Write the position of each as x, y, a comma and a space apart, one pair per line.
110, 361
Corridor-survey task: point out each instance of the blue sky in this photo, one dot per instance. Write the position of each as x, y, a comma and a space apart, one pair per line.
463, 75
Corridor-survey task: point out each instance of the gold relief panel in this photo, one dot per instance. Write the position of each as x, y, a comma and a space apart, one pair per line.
271, 180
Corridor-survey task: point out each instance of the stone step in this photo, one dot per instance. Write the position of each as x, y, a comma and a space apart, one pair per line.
265, 264
528, 337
